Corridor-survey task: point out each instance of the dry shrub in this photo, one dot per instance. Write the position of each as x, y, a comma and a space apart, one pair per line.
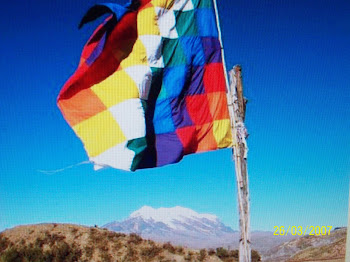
255, 256
134, 239
105, 257
222, 253
74, 230
4, 243
131, 254
150, 252
95, 237
168, 246
151, 242
117, 245
61, 252
113, 236
226, 255
65, 252
189, 256
54, 238
180, 250
202, 254
89, 251
211, 252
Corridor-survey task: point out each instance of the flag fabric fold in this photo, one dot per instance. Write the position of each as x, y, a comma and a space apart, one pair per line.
98, 10
150, 86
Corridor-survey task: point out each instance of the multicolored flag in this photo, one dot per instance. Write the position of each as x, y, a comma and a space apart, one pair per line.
150, 87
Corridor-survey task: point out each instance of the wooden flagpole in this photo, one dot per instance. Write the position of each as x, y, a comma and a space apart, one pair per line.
236, 106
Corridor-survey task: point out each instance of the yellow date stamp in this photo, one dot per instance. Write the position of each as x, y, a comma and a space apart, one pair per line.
302, 231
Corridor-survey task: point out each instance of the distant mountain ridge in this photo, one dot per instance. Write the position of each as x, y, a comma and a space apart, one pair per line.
177, 224
177, 217
184, 226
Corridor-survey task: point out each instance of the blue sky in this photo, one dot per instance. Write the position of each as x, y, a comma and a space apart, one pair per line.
295, 57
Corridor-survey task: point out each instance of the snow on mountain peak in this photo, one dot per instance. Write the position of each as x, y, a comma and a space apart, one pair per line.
177, 224
170, 216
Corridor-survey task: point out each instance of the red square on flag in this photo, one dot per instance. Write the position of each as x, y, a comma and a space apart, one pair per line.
198, 109
214, 78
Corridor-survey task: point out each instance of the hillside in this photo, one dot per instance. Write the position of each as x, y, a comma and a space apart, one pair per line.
311, 248
66, 242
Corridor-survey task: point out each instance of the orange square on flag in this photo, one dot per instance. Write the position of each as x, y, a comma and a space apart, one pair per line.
205, 138
218, 105
81, 106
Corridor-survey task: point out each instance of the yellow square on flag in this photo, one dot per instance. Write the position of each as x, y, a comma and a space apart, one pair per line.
116, 88
99, 133
137, 57
221, 134
147, 22
167, 4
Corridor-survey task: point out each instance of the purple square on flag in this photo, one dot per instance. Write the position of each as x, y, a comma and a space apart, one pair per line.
212, 50
196, 86
181, 118
169, 149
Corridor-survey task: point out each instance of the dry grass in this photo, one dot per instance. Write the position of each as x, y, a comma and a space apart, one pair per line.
334, 251
64, 242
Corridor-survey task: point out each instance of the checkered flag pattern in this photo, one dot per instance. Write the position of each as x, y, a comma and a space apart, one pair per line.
150, 87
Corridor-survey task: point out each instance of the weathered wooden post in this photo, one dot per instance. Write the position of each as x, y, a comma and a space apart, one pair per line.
237, 105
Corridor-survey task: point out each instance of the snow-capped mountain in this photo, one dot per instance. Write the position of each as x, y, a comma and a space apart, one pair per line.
178, 225
183, 226
182, 219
